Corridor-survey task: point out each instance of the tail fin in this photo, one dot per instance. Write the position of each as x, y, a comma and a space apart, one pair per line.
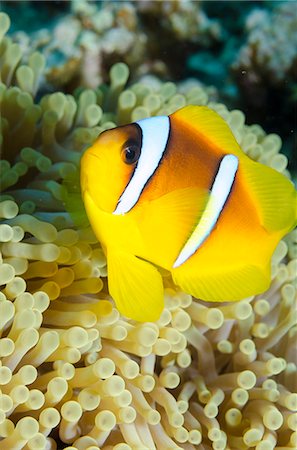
275, 196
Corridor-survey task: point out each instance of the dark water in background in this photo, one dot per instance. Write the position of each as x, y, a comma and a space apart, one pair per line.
272, 106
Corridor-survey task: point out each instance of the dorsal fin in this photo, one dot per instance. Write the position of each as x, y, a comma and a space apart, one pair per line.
210, 126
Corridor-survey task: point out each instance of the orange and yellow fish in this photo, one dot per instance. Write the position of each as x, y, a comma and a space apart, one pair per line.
178, 192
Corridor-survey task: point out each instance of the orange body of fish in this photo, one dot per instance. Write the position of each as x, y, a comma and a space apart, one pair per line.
178, 193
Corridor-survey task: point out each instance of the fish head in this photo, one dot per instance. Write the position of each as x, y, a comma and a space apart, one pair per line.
108, 165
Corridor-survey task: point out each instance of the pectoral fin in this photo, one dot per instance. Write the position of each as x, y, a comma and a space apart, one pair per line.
136, 286
167, 222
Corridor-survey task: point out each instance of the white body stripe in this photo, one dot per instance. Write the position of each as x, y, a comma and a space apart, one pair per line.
155, 132
220, 191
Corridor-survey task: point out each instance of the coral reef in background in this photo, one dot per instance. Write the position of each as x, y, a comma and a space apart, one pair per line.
82, 46
75, 374
253, 63
266, 68
82, 39
268, 31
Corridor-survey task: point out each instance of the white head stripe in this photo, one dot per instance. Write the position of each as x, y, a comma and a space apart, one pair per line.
155, 132
220, 191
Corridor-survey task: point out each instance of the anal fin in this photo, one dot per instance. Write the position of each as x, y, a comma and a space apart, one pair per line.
223, 283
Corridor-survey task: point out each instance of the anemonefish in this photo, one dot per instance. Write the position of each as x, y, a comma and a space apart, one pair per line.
177, 192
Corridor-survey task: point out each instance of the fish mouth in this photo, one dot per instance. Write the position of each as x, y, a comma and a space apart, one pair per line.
83, 182
94, 155
90, 153
84, 164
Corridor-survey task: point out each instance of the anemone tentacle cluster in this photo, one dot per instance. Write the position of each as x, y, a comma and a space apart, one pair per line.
76, 375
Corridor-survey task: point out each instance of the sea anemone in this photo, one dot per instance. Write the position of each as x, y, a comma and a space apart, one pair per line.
76, 375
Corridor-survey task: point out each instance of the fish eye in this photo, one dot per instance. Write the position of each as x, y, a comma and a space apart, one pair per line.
131, 154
